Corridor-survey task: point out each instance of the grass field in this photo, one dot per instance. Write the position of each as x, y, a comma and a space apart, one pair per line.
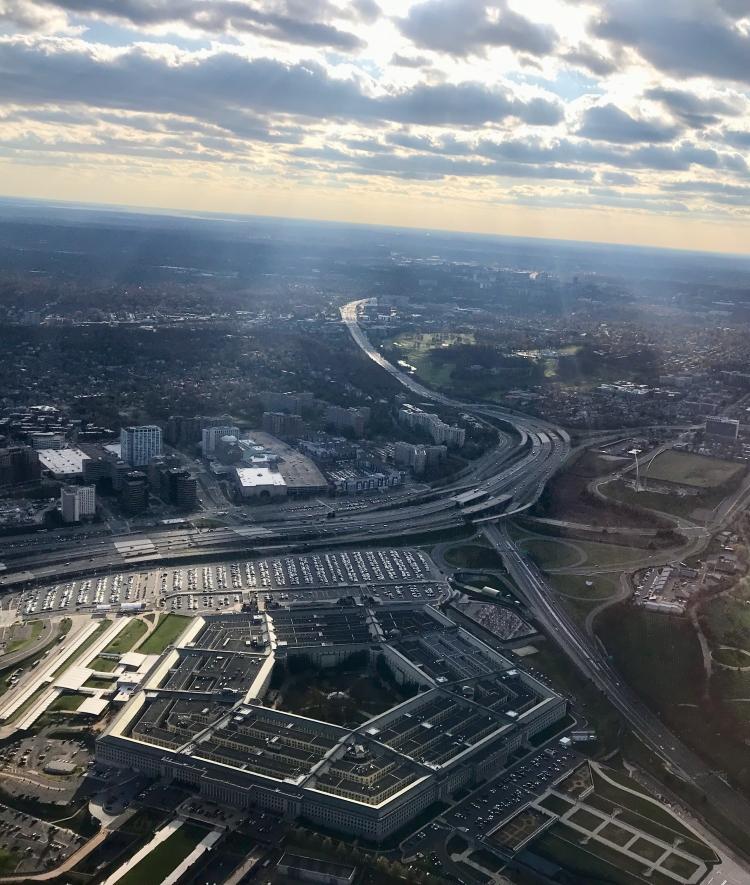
98, 682
160, 862
416, 350
67, 702
104, 665
658, 655
126, 638
652, 821
549, 554
28, 634
731, 657
473, 556
576, 586
166, 632
693, 470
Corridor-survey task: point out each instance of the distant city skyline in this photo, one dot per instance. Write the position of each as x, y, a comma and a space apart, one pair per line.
606, 121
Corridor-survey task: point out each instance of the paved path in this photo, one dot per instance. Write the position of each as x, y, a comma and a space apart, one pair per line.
161, 836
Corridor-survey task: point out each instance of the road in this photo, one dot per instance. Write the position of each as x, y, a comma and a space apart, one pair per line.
590, 661
508, 477
513, 474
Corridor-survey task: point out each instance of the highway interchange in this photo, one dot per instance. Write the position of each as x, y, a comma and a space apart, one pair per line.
505, 480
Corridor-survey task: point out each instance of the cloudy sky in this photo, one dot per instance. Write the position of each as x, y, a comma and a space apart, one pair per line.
616, 120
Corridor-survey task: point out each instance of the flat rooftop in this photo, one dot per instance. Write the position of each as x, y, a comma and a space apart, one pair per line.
248, 477
298, 470
63, 461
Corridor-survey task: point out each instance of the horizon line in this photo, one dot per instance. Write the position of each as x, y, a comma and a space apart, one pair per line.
217, 215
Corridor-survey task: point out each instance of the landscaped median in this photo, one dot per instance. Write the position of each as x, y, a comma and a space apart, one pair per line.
173, 848
166, 632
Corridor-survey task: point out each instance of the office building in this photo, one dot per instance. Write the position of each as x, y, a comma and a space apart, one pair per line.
292, 403
183, 431
441, 433
210, 436
282, 424
183, 489
65, 464
140, 444
47, 440
472, 711
726, 429
134, 494
260, 483
77, 503
19, 464
353, 419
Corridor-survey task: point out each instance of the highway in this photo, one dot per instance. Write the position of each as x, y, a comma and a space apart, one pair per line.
592, 663
508, 478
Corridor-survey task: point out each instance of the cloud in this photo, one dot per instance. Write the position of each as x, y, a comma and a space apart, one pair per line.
610, 123
689, 38
739, 138
466, 27
65, 72
306, 23
621, 179
28, 16
409, 61
586, 57
691, 109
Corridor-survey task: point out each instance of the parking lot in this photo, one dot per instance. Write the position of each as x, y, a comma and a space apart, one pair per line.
35, 843
391, 574
484, 810
491, 804
30, 767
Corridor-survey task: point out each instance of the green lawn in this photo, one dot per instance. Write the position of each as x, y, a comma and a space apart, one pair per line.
169, 628
603, 555
416, 350
693, 470
98, 682
649, 815
67, 702
732, 657
126, 638
576, 586
31, 631
658, 655
549, 554
104, 665
160, 862
474, 556
76, 656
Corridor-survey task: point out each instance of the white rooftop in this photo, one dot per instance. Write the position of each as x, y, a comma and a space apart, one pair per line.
73, 678
93, 706
259, 476
68, 462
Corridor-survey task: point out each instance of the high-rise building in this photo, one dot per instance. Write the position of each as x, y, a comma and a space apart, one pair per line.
134, 492
47, 440
282, 424
722, 428
293, 403
211, 435
183, 431
183, 489
449, 434
19, 464
77, 503
353, 419
140, 444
